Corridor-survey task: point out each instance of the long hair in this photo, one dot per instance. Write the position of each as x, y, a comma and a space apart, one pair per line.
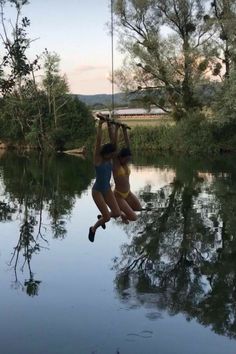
125, 152
107, 149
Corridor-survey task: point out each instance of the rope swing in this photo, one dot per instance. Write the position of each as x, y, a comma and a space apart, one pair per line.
111, 116
112, 61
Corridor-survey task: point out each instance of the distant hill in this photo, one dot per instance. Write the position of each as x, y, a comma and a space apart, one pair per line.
103, 100
137, 100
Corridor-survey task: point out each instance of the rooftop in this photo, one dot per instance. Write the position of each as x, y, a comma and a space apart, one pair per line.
135, 111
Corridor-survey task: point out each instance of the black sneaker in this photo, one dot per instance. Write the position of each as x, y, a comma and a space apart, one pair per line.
103, 225
91, 235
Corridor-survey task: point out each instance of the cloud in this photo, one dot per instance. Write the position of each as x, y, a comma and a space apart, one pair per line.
89, 78
86, 68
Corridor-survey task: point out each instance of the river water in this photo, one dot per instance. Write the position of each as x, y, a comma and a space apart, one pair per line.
165, 284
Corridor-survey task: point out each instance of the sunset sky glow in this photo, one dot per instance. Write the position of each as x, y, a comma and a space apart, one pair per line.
77, 30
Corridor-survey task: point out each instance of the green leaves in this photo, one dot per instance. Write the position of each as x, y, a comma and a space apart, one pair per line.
176, 46
36, 114
16, 66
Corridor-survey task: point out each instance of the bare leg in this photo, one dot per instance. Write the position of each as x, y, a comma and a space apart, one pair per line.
126, 209
112, 203
102, 206
133, 202
102, 201
115, 209
114, 206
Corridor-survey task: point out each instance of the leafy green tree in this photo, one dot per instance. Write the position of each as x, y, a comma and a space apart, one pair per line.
55, 86
17, 71
15, 66
36, 114
225, 105
166, 68
222, 15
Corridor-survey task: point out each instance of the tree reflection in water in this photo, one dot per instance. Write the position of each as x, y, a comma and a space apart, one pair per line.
182, 253
38, 187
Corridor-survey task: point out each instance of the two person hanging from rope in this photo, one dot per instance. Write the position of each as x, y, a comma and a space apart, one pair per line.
108, 160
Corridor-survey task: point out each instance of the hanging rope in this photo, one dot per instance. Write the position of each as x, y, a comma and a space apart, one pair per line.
112, 61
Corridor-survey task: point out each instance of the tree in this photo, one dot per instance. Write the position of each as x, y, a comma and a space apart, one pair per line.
225, 104
222, 15
55, 86
15, 66
17, 73
166, 67
33, 113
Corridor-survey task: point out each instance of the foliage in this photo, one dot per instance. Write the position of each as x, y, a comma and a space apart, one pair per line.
193, 135
37, 114
225, 105
15, 66
170, 63
173, 48
222, 16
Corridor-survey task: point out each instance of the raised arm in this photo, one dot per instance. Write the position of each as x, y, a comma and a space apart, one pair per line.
126, 136
116, 135
98, 143
113, 130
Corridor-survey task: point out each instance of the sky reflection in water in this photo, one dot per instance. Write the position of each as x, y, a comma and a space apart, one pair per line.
165, 284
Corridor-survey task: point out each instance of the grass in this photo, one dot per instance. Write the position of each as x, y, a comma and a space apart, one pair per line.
149, 122
193, 136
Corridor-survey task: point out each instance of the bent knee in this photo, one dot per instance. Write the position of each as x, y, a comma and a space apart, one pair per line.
133, 217
116, 215
139, 207
106, 218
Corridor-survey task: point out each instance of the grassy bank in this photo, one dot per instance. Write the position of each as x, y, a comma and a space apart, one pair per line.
192, 136
147, 122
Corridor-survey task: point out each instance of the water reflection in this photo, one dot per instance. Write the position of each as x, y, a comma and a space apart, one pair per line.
181, 256
39, 193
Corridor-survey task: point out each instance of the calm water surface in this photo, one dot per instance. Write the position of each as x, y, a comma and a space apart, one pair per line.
165, 284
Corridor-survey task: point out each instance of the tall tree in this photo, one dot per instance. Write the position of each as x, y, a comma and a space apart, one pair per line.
55, 85
223, 18
15, 66
164, 41
18, 72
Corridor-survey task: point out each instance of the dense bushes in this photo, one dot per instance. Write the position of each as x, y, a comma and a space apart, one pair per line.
75, 127
20, 124
36, 111
194, 135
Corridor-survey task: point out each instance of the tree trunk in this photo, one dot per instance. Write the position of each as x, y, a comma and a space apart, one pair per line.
54, 111
187, 82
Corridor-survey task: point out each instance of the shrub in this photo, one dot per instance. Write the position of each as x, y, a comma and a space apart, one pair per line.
193, 135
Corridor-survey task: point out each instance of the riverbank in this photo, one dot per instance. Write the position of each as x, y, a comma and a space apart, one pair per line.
193, 137
188, 137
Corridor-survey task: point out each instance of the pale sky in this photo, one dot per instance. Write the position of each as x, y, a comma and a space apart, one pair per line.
77, 30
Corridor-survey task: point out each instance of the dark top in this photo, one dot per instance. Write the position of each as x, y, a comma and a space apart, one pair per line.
103, 177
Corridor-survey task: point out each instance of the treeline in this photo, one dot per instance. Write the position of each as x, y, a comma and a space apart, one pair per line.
36, 108
181, 57
193, 136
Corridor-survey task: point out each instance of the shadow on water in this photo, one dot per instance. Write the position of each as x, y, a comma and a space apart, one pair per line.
33, 184
181, 254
